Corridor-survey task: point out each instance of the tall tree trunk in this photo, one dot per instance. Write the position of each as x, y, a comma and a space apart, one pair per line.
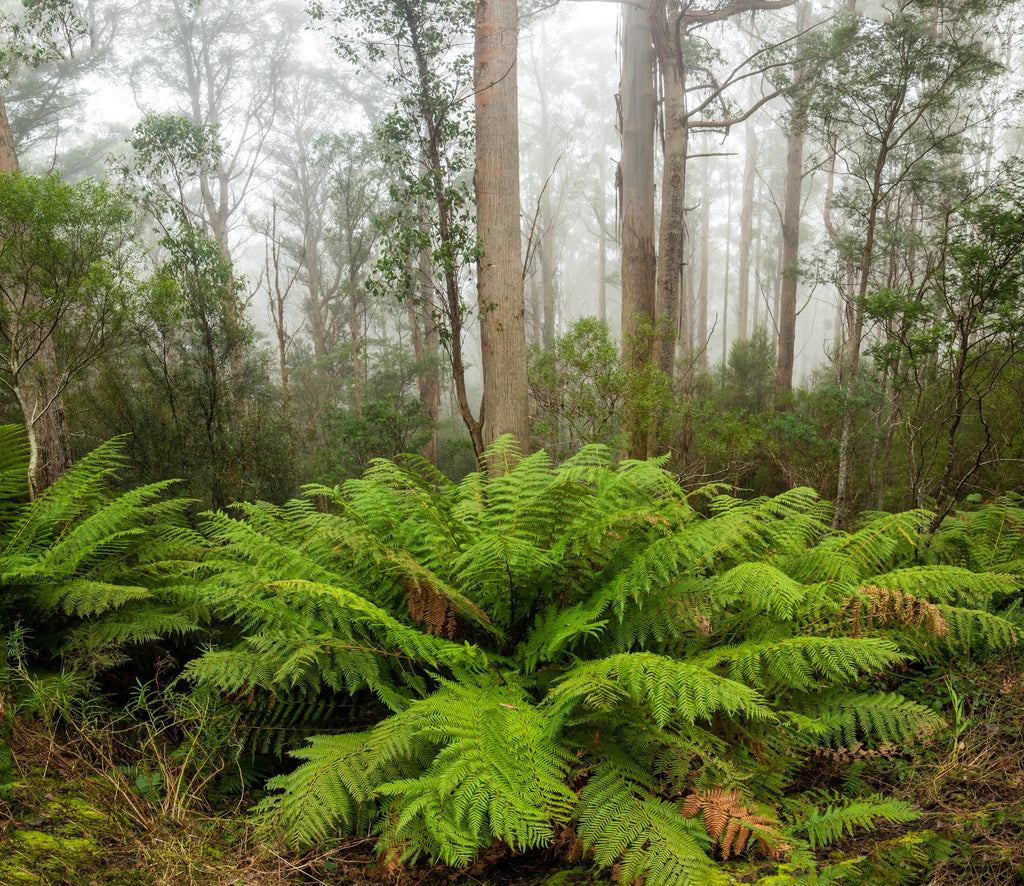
452, 302
747, 229
790, 270
427, 342
701, 337
500, 267
790, 263
725, 276
8, 153
850, 360
546, 253
602, 241
36, 378
546, 246
636, 209
672, 232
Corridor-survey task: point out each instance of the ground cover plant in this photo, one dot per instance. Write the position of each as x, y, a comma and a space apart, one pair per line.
674, 686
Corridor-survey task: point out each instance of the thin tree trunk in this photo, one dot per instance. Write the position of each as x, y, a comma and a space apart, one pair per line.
701, 338
747, 229
790, 263
851, 353
8, 153
452, 305
427, 343
602, 242
725, 277
672, 233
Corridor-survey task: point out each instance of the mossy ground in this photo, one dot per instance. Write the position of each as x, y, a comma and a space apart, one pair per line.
66, 822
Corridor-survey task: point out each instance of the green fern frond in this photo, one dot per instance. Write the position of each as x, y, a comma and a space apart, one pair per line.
474, 765
821, 826
990, 538
667, 688
948, 584
119, 567
622, 821
801, 663
878, 546
497, 775
852, 718
13, 473
977, 630
762, 587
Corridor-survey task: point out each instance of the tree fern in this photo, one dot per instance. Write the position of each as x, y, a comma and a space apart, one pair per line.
665, 688
622, 820
583, 643
118, 568
480, 765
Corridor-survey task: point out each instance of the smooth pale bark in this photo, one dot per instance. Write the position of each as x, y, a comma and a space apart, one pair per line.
636, 207
790, 269
602, 243
546, 252
747, 229
505, 408
701, 333
725, 276
790, 262
672, 230
8, 154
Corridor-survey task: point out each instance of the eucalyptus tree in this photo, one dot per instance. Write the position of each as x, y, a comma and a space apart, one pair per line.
67, 282
893, 106
698, 87
635, 181
328, 191
218, 66
955, 337
499, 260
41, 32
419, 49
697, 84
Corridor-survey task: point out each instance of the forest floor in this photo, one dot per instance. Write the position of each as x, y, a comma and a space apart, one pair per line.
68, 822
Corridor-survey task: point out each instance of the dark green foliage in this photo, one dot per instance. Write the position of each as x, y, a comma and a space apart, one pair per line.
91, 573
577, 388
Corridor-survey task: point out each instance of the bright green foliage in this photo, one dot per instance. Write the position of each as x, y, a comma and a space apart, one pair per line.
825, 825
97, 571
581, 644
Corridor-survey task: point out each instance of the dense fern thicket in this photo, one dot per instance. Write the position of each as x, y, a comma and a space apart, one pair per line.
587, 652
578, 655
94, 573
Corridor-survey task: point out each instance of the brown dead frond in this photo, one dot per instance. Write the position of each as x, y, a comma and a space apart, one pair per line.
730, 823
872, 607
430, 609
857, 752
